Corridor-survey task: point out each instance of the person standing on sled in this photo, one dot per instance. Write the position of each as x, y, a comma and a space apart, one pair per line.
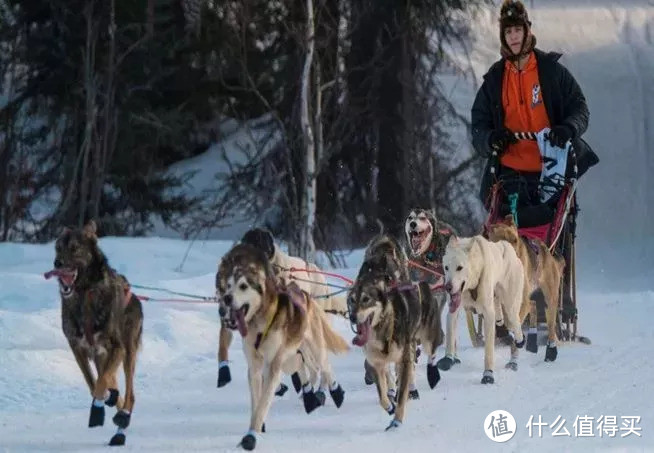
527, 90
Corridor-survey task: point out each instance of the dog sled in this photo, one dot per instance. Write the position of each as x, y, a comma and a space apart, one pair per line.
550, 218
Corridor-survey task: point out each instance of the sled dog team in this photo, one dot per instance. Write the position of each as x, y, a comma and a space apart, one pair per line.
279, 304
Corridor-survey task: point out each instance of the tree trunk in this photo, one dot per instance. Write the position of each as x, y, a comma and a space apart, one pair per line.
391, 127
308, 247
88, 147
101, 154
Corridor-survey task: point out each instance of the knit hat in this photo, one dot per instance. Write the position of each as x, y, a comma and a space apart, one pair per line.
513, 13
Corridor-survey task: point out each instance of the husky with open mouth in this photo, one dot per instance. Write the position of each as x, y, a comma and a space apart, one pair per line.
427, 237
483, 277
391, 314
275, 322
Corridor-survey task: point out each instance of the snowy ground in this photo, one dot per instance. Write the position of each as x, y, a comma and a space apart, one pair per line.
44, 401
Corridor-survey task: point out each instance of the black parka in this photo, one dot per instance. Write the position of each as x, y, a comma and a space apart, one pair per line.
564, 102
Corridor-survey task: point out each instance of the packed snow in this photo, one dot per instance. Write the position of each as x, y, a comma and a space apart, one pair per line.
45, 402
609, 48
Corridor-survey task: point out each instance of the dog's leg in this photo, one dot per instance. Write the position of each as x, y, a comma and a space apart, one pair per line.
550, 293
489, 346
225, 340
113, 397
433, 375
271, 380
107, 365
123, 416
391, 383
450, 358
84, 365
529, 307
382, 386
327, 380
405, 369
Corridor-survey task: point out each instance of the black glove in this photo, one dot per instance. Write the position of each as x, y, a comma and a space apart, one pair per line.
500, 139
559, 135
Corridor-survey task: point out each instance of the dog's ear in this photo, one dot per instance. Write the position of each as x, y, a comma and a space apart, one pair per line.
90, 229
453, 240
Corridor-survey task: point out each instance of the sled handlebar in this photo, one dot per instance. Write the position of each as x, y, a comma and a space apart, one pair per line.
525, 135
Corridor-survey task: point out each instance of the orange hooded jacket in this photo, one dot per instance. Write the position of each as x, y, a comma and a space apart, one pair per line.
524, 111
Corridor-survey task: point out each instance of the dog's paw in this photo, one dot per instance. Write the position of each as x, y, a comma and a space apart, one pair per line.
297, 383
433, 375
447, 362
532, 342
488, 377
281, 389
122, 418
551, 353
520, 344
338, 395
96, 417
113, 398
311, 401
391, 408
393, 425
321, 397
414, 395
248, 442
392, 395
224, 376
118, 440
511, 365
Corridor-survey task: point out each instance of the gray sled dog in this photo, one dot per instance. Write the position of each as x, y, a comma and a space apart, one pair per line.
391, 315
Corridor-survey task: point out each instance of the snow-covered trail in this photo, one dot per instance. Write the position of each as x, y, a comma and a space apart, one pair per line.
44, 401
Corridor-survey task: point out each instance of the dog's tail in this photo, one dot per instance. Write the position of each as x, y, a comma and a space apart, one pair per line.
334, 342
560, 262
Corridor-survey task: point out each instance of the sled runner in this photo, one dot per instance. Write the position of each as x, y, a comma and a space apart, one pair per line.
545, 209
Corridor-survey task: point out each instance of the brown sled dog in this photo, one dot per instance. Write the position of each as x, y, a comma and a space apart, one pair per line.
275, 323
543, 274
392, 315
312, 283
102, 321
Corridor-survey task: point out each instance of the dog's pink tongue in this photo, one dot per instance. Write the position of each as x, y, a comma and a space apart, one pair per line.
363, 332
67, 276
240, 323
455, 301
416, 241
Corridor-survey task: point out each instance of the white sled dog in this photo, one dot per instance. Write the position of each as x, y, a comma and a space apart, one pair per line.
484, 276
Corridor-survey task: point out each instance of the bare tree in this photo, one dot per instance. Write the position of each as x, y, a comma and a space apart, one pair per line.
308, 247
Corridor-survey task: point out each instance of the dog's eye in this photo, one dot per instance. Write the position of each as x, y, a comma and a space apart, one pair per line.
458, 268
243, 287
447, 268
